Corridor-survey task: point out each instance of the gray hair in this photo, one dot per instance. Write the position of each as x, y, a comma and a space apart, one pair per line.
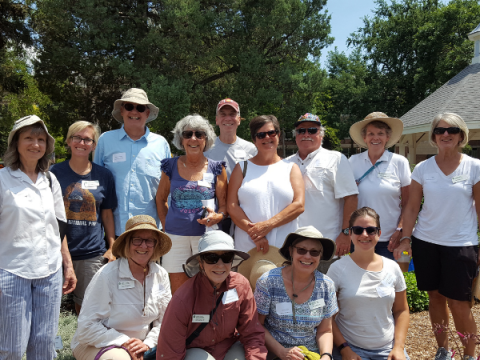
453, 120
379, 124
197, 123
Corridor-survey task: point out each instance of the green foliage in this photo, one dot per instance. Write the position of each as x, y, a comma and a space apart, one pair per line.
417, 300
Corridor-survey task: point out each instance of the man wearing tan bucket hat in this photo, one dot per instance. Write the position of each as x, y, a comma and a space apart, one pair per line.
133, 155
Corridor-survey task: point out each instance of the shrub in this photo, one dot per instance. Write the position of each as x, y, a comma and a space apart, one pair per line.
417, 299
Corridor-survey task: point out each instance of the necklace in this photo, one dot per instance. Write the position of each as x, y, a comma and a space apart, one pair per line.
144, 275
296, 295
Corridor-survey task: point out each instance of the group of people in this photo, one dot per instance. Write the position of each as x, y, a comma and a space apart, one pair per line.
150, 244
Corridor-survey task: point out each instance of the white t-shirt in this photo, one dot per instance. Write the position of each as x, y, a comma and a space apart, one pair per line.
365, 299
265, 191
328, 179
381, 189
240, 150
448, 215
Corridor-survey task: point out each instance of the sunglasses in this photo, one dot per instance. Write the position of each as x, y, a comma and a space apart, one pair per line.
130, 107
450, 130
189, 133
212, 258
77, 140
371, 230
311, 131
302, 251
137, 241
263, 134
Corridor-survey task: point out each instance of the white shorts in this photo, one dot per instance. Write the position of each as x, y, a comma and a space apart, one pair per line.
182, 248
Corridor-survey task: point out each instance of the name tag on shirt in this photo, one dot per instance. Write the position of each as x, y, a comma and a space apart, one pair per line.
230, 296
240, 154
204, 183
119, 157
383, 291
385, 175
284, 308
90, 185
127, 284
459, 178
200, 318
316, 304
208, 177
386, 286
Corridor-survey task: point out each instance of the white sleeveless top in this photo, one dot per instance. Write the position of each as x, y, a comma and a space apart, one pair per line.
265, 191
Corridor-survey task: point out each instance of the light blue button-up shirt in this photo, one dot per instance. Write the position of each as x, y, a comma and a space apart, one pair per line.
135, 165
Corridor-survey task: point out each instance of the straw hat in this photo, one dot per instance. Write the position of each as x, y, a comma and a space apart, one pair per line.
27, 121
395, 124
143, 222
308, 232
136, 96
214, 240
260, 263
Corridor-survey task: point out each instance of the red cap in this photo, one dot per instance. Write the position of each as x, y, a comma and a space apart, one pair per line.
228, 102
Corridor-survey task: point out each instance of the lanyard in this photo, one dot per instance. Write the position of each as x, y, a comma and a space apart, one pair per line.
368, 171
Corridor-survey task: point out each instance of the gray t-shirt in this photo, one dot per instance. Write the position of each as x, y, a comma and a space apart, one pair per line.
240, 150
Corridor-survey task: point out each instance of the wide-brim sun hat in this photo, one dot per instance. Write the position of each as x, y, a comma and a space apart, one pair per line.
259, 263
395, 124
143, 222
135, 96
214, 240
30, 120
309, 232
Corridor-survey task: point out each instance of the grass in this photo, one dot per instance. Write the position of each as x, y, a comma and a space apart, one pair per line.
66, 328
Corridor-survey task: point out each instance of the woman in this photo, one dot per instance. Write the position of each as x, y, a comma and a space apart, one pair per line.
383, 178
296, 302
89, 197
189, 179
31, 251
265, 199
445, 238
213, 317
125, 302
373, 319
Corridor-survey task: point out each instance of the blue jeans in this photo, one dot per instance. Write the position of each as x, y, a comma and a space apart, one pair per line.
365, 354
29, 312
150, 354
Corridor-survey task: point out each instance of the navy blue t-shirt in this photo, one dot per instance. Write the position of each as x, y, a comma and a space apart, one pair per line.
84, 197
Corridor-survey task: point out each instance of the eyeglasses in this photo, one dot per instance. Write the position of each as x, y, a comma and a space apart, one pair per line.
198, 134
371, 230
130, 107
302, 251
263, 134
450, 130
212, 258
137, 241
311, 131
77, 140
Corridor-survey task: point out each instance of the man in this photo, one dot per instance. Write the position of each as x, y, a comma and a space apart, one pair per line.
133, 154
330, 188
228, 146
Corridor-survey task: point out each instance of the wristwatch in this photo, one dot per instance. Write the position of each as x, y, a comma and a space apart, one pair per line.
223, 214
346, 231
328, 354
342, 346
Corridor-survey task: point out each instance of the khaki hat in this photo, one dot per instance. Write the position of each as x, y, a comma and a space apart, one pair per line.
395, 124
308, 232
143, 222
30, 120
136, 96
259, 263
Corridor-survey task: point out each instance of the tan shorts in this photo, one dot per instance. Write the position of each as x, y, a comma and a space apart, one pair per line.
86, 352
182, 248
84, 271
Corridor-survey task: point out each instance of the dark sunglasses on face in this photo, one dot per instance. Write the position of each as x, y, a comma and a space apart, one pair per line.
212, 258
263, 134
130, 107
189, 133
371, 230
450, 130
137, 241
311, 131
302, 251
77, 140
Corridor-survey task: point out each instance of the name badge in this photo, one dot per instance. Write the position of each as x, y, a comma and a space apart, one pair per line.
200, 318
204, 183
230, 296
240, 154
119, 157
90, 185
208, 177
316, 304
383, 291
388, 280
127, 284
385, 175
58, 343
284, 308
459, 178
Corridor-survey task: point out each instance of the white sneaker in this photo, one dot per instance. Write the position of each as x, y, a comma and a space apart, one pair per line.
443, 354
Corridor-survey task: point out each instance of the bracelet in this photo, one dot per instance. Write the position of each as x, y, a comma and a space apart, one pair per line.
342, 346
328, 354
398, 229
406, 237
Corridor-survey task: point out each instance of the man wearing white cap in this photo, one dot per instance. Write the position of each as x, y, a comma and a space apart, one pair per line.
330, 188
133, 154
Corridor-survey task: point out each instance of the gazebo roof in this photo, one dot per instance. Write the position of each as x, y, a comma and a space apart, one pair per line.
476, 30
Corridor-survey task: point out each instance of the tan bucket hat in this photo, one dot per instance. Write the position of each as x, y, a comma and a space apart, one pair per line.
309, 232
30, 120
395, 124
260, 263
136, 96
143, 222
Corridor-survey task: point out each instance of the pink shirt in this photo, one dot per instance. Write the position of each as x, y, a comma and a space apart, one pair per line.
232, 322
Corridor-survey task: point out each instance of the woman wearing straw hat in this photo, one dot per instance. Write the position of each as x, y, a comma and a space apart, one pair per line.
296, 303
31, 251
125, 302
214, 315
383, 178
